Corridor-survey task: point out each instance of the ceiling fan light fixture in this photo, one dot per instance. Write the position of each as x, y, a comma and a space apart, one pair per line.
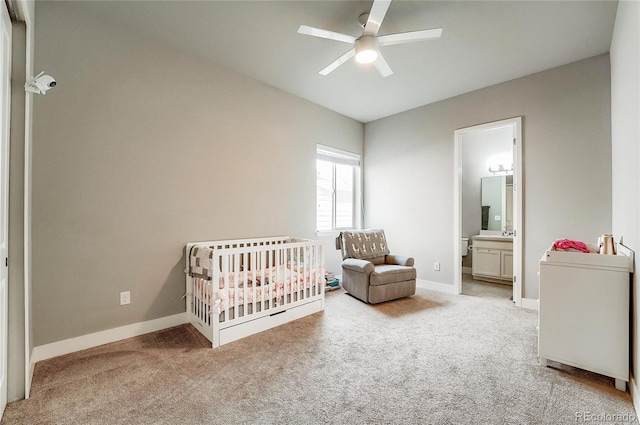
366, 49
366, 56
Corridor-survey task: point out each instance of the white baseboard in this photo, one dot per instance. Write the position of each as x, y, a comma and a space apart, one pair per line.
59, 348
635, 393
467, 270
531, 304
435, 286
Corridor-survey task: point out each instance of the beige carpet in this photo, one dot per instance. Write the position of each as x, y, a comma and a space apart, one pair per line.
433, 358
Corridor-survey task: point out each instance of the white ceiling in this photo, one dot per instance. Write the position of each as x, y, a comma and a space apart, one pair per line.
483, 43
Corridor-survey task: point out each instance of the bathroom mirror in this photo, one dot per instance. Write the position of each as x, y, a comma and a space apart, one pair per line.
497, 203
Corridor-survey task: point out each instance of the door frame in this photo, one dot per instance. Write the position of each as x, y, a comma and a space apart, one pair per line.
518, 227
5, 120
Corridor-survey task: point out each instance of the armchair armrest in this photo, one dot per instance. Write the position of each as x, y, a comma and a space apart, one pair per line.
399, 260
360, 266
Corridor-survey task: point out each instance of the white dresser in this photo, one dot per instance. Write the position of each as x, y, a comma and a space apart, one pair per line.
584, 311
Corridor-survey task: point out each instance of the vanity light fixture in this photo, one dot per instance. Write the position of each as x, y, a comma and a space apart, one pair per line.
501, 168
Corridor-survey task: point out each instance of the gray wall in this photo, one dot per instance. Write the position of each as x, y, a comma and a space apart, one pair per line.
625, 135
408, 159
140, 149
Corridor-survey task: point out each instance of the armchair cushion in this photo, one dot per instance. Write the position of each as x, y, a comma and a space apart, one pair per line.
390, 273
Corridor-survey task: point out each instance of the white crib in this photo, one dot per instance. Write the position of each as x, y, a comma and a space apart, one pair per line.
236, 288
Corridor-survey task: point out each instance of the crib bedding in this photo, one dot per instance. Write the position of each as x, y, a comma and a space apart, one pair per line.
261, 285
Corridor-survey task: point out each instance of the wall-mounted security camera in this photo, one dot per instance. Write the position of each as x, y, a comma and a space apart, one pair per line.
40, 84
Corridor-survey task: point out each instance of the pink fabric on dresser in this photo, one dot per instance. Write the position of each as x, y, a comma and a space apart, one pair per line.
570, 245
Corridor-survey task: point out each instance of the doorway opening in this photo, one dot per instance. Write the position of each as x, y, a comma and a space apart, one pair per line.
488, 208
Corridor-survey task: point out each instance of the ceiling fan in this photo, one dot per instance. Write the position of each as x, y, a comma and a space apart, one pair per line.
365, 47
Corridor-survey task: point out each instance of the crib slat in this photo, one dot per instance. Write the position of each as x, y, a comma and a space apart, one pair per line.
288, 275
270, 274
275, 276
225, 277
252, 260
305, 267
313, 271
289, 268
195, 299
279, 255
320, 267
300, 268
236, 284
295, 274
313, 280
264, 279
245, 283
199, 302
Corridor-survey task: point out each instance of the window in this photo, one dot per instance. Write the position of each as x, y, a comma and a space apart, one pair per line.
338, 194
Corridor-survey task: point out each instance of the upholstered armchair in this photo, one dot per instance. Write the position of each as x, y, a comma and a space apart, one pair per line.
369, 272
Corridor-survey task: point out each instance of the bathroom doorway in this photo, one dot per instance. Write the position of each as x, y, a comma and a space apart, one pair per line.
488, 209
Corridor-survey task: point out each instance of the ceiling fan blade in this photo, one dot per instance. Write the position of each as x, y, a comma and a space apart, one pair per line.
317, 32
382, 66
376, 16
342, 59
409, 37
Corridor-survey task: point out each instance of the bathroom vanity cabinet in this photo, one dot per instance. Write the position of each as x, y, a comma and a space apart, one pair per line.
492, 258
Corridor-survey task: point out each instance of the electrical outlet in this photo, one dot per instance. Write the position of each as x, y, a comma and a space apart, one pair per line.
125, 298
436, 266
